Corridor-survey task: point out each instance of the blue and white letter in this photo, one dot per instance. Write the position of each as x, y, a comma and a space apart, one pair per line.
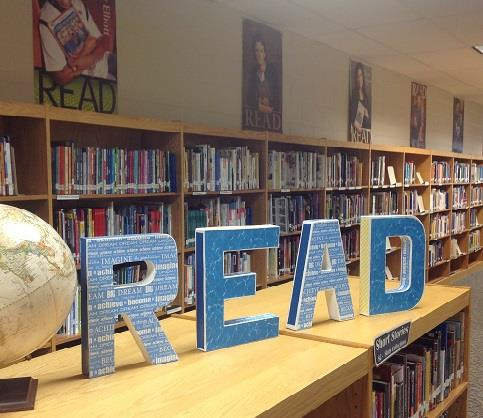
320, 266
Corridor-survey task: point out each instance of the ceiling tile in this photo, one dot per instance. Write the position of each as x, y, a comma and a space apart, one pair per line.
455, 59
471, 77
356, 14
285, 15
412, 37
401, 64
467, 28
355, 44
434, 8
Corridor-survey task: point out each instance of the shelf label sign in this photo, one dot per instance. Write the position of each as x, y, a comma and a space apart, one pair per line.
374, 298
389, 343
213, 287
320, 267
102, 301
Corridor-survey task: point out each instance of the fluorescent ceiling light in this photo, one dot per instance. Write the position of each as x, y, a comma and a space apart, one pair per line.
478, 48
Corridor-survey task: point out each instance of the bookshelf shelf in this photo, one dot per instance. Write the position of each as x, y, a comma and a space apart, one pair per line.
353, 260
23, 198
439, 263
410, 186
439, 211
148, 196
346, 189
438, 237
458, 256
296, 190
290, 234
280, 279
453, 396
225, 193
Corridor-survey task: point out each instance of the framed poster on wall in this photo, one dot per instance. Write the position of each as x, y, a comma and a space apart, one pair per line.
75, 61
262, 77
360, 102
418, 115
458, 124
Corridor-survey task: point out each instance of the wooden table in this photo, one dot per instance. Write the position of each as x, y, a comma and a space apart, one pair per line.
438, 303
283, 376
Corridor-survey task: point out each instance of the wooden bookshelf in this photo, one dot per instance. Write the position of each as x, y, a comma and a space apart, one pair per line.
438, 304
35, 128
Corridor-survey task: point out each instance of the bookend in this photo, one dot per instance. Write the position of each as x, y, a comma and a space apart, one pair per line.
17, 394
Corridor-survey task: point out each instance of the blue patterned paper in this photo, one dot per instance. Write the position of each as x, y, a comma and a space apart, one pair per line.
374, 298
102, 301
320, 239
213, 287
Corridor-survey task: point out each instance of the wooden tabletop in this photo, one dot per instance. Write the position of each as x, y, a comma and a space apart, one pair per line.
283, 376
438, 303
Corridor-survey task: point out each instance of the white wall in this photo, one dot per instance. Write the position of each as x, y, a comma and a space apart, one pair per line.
181, 59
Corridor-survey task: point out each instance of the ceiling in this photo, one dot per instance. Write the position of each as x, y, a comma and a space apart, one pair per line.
428, 40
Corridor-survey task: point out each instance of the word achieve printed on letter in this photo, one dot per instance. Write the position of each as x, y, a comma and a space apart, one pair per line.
374, 298
320, 267
102, 301
213, 287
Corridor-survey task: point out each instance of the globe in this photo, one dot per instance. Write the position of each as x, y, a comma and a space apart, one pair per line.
37, 283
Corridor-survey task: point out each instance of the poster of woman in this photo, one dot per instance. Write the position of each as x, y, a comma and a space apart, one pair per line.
75, 64
262, 77
418, 115
360, 100
458, 124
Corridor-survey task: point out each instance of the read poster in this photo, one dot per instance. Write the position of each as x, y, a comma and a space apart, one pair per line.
360, 102
458, 123
418, 115
262, 77
75, 61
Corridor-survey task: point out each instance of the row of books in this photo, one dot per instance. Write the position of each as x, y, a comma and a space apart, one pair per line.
384, 203
220, 169
129, 273
474, 240
344, 170
289, 212
436, 253
477, 195
281, 260
476, 173
378, 171
233, 262
95, 170
439, 226
351, 243
72, 324
439, 200
440, 172
413, 202
422, 375
347, 208
458, 222
474, 217
409, 173
455, 249
461, 172
295, 170
214, 212
460, 198
189, 279
8, 170
72, 224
